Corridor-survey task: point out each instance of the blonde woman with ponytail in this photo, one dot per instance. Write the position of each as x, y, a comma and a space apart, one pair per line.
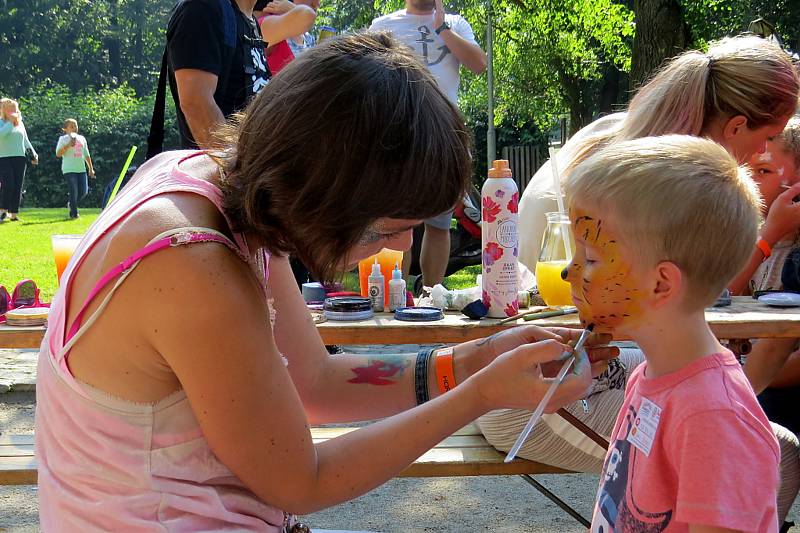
739, 93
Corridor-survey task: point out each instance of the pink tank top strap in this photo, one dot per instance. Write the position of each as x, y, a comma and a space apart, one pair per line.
171, 238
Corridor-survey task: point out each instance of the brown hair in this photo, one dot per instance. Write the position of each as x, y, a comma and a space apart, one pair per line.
675, 198
743, 75
353, 130
69, 121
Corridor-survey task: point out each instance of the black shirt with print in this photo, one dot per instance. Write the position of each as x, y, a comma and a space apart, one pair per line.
216, 37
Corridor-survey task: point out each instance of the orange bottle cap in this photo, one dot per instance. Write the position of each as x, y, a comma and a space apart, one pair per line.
500, 169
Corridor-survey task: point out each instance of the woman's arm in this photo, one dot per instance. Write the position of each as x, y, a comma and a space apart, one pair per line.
766, 360
251, 414
28, 146
349, 387
277, 28
783, 218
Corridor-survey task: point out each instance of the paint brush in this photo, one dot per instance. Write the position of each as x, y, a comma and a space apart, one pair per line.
548, 314
537, 414
525, 313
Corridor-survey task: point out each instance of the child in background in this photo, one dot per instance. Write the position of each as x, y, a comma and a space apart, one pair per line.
73, 150
284, 27
776, 172
691, 449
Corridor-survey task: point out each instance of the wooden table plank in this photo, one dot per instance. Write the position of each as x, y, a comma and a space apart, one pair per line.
744, 319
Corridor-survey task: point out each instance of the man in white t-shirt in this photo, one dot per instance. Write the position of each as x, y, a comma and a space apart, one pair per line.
443, 42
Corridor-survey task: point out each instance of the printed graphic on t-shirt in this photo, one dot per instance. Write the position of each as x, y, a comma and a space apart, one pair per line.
259, 77
616, 510
77, 149
432, 55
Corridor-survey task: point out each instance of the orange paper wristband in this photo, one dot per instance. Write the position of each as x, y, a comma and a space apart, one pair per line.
445, 371
764, 246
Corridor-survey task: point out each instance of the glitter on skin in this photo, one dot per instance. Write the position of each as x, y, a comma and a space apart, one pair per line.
603, 286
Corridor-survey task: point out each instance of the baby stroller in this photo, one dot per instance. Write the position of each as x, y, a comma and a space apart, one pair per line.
465, 239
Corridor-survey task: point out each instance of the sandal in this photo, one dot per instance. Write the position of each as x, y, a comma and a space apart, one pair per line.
5, 303
26, 294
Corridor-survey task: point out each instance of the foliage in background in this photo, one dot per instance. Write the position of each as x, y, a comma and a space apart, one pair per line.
112, 120
99, 62
81, 43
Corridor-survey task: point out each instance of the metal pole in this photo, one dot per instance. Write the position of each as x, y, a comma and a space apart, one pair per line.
491, 144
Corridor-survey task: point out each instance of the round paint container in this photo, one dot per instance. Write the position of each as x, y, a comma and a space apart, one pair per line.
419, 314
313, 292
347, 308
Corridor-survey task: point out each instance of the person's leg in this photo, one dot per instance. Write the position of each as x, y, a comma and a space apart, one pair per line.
17, 173
83, 186
72, 189
435, 251
5, 181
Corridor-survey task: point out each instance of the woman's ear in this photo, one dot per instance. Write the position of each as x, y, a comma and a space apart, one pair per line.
734, 126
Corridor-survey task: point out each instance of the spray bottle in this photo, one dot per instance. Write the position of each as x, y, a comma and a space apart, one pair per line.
375, 284
397, 289
499, 201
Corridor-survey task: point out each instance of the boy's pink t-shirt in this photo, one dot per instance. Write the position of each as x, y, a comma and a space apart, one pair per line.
690, 447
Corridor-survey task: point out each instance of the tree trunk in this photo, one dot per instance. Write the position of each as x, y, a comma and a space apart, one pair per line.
661, 33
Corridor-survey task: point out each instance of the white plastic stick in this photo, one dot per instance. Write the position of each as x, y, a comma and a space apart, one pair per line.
537, 413
560, 200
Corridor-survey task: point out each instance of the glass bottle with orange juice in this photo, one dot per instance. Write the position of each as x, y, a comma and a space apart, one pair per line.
386, 259
553, 260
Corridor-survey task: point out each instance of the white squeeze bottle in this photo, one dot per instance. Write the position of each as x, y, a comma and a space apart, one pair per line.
397, 290
375, 284
499, 202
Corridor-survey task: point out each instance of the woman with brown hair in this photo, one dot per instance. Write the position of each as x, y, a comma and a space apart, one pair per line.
181, 397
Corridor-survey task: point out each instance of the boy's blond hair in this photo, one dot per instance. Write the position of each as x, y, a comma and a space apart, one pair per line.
70, 121
7, 101
675, 198
790, 139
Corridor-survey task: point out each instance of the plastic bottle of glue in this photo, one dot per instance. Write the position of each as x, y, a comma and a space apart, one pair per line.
397, 289
500, 243
375, 284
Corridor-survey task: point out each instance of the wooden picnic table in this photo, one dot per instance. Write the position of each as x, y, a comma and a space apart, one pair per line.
746, 318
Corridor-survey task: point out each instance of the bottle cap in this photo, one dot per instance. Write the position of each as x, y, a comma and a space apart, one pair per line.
500, 169
376, 270
397, 273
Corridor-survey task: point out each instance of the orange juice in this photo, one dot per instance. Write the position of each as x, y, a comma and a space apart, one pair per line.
387, 259
63, 248
554, 290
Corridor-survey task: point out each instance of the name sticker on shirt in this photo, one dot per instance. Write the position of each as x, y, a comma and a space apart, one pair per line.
645, 426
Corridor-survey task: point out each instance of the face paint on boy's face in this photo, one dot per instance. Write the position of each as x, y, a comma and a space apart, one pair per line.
603, 287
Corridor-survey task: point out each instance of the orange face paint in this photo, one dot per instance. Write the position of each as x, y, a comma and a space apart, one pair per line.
604, 285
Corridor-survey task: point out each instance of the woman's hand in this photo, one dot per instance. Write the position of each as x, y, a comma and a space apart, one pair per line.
783, 217
519, 378
35, 161
278, 7
470, 357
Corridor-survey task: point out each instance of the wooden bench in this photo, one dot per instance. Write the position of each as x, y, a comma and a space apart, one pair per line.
465, 453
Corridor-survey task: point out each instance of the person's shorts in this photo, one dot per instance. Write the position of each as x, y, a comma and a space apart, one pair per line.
440, 221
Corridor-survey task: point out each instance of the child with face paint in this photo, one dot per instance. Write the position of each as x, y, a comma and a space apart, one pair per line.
776, 172
691, 448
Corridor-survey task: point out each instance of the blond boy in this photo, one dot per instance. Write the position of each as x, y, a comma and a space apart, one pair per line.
661, 225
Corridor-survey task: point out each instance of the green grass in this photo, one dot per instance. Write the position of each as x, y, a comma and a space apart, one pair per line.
25, 250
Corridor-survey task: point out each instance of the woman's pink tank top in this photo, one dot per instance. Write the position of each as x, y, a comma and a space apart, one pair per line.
106, 464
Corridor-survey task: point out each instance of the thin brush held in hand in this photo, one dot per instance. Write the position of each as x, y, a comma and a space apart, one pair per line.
537, 414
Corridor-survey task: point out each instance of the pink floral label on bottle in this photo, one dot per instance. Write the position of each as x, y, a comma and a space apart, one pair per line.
500, 203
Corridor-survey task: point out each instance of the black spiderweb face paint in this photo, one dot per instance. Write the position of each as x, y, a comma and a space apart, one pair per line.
604, 288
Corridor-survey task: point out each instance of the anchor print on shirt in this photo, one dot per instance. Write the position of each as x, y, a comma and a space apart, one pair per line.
259, 80
616, 510
424, 40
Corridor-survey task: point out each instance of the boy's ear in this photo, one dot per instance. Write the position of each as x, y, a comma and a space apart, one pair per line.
669, 283
734, 126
